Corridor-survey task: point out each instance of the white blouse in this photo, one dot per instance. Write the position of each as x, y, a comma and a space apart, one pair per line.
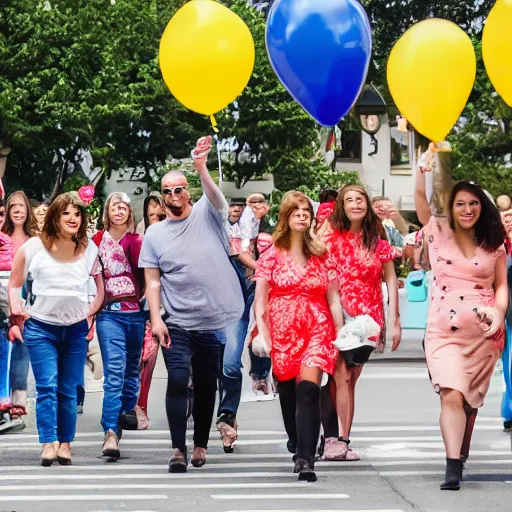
59, 292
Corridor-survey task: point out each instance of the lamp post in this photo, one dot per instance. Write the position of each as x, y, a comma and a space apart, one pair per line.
369, 107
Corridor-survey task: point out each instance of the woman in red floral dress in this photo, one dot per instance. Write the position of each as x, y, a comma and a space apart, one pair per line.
362, 259
297, 309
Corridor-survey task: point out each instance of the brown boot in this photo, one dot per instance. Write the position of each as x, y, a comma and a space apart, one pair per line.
111, 445
178, 462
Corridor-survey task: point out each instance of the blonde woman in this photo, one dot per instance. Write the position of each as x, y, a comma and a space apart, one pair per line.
121, 323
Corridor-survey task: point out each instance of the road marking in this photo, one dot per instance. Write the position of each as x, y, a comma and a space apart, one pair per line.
149, 442
193, 475
318, 510
437, 458
280, 496
86, 487
88, 497
128, 435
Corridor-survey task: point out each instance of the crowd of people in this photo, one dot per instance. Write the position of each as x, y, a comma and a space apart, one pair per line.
310, 298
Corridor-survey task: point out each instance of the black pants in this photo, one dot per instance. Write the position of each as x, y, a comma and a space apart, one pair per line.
300, 405
201, 351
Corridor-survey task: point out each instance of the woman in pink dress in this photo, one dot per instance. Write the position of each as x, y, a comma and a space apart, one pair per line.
469, 297
297, 308
362, 258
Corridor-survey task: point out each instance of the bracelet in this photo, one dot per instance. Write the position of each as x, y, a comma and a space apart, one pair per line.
16, 320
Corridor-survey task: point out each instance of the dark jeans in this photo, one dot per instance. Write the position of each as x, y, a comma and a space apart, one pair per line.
201, 351
121, 336
57, 354
260, 366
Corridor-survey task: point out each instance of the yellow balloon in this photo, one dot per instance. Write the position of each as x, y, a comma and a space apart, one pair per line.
497, 48
431, 72
206, 56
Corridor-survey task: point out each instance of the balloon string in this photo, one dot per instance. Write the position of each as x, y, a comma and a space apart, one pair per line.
214, 124
219, 159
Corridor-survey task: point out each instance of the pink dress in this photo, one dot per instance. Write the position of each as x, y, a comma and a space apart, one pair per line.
359, 274
459, 356
301, 325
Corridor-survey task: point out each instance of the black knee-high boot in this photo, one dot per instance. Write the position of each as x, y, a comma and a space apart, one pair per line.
308, 426
287, 400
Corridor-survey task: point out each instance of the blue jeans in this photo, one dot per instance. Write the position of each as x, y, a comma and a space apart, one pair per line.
121, 336
14, 364
5, 364
57, 355
201, 350
230, 382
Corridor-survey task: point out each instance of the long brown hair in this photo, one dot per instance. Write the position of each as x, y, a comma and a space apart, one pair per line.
372, 226
29, 227
489, 230
51, 229
282, 234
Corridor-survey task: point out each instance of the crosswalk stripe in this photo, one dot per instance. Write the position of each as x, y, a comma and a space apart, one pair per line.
311, 496
131, 435
85, 487
198, 475
82, 497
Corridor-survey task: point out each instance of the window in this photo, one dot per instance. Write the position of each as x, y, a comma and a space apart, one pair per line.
402, 144
350, 141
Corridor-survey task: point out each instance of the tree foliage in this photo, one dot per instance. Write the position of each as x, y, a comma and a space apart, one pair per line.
482, 140
83, 75
274, 134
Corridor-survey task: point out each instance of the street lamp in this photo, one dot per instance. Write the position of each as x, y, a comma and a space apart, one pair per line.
369, 107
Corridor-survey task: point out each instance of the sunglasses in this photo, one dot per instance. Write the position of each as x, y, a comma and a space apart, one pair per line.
176, 190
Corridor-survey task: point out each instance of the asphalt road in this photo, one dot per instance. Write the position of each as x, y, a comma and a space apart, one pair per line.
396, 432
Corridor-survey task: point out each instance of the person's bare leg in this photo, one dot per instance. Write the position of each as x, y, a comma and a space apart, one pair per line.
346, 379
471, 415
452, 422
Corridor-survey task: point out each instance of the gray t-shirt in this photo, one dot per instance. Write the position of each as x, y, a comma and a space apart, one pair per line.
200, 288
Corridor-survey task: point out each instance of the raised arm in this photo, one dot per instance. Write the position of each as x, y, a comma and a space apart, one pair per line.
420, 196
210, 188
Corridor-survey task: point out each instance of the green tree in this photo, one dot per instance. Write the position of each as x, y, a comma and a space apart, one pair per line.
267, 123
83, 75
482, 140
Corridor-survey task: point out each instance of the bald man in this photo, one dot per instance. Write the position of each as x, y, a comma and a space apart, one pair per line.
187, 268
504, 203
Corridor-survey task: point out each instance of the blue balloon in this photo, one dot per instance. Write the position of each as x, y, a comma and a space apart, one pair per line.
320, 50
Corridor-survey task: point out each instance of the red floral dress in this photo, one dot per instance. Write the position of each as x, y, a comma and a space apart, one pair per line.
301, 325
359, 273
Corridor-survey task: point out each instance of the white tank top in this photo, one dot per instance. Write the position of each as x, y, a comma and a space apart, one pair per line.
58, 292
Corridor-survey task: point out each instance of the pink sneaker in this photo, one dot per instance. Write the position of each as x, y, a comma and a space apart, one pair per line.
352, 455
334, 450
